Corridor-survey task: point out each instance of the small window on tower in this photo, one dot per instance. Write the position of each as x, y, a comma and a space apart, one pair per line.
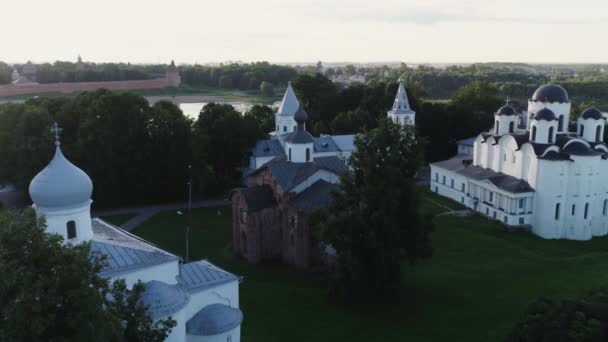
71, 226
284, 128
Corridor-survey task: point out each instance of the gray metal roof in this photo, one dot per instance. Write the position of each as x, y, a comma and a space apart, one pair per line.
214, 319
200, 275
124, 252
502, 181
267, 148
163, 299
467, 142
122, 259
325, 144
300, 136
315, 197
345, 142
258, 197
289, 174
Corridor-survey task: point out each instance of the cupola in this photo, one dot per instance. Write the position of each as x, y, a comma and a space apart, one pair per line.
505, 120
590, 125
299, 144
544, 127
555, 98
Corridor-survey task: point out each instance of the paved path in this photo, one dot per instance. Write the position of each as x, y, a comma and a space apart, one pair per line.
142, 214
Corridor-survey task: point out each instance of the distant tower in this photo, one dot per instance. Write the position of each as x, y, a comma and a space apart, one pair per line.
401, 112
319, 68
62, 195
284, 119
172, 75
79, 64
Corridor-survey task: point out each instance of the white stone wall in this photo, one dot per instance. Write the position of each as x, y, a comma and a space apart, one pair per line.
298, 152
57, 219
285, 124
561, 110
588, 129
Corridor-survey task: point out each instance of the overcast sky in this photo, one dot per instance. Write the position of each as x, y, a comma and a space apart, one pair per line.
305, 30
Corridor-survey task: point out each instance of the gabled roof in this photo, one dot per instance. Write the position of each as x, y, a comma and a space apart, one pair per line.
200, 275
314, 197
267, 148
289, 104
345, 142
258, 197
325, 144
289, 174
124, 252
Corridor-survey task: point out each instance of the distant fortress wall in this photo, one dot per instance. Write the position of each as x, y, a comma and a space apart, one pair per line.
33, 88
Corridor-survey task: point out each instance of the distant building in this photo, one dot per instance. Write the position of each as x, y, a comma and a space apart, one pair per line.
269, 216
529, 171
29, 70
172, 75
80, 65
465, 147
401, 113
288, 177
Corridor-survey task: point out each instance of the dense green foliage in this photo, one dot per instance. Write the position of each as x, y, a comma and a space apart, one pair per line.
583, 319
51, 291
373, 221
135, 153
5, 73
236, 76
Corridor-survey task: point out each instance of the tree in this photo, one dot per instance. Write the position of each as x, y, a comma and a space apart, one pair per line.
472, 108
374, 221
264, 116
6, 73
583, 319
267, 89
51, 291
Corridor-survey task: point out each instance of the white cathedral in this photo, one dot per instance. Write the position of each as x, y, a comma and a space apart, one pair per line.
202, 298
531, 172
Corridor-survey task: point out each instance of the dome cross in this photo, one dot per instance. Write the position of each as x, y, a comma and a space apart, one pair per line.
56, 130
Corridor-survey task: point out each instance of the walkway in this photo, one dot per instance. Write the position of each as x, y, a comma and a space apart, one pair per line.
142, 214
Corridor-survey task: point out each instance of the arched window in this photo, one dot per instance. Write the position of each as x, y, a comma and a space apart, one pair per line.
598, 134
550, 135
573, 209
582, 130
586, 210
557, 211
534, 133
307, 154
511, 127
71, 227
497, 127
560, 125
284, 128
290, 154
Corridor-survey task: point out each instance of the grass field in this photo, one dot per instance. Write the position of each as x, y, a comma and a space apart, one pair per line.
477, 284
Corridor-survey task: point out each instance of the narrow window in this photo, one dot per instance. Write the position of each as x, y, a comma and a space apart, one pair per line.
550, 135
521, 220
487, 211
243, 242
491, 196
598, 134
511, 127
534, 133
504, 158
582, 130
436, 190
560, 124
497, 127
586, 210
294, 128
452, 183
436, 177
462, 187
443, 180
506, 219
71, 226
573, 209
462, 199
284, 128
290, 153
557, 206
521, 203
278, 128
605, 207
307, 154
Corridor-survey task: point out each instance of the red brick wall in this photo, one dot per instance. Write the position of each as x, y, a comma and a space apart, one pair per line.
14, 90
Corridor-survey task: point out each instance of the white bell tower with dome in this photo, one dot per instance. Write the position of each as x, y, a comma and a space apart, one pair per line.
62, 195
401, 113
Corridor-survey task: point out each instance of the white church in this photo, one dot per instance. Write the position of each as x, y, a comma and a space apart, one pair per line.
202, 298
531, 172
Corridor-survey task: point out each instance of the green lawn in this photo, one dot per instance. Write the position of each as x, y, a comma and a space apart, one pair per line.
118, 219
476, 285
